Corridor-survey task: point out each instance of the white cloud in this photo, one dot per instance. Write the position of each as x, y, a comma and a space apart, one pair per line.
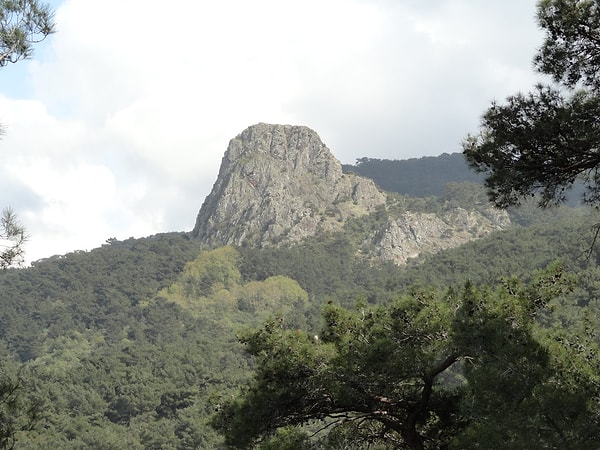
134, 101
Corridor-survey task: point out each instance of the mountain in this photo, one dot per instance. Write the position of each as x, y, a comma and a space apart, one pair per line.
135, 344
279, 184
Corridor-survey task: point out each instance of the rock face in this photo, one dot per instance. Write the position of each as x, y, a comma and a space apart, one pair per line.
280, 183
414, 233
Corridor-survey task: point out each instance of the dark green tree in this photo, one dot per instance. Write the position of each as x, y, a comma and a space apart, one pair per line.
426, 372
16, 413
545, 141
376, 370
12, 239
22, 24
530, 381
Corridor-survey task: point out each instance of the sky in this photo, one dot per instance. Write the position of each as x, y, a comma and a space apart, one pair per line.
116, 127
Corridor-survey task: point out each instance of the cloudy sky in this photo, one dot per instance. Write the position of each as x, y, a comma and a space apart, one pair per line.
117, 126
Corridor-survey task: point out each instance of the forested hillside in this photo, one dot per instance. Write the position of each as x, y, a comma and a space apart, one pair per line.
135, 344
430, 175
416, 177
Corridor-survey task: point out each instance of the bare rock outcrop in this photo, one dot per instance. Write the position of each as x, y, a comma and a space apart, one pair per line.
413, 233
280, 183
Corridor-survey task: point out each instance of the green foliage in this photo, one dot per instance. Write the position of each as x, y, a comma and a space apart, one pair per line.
22, 24
367, 366
537, 143
520, 393
12, 240
515, 252
570, 50
326, 267
464, 194
208, 274
546, 141
288, 439
134, 344
110, 365
416, 177
212, 283
430, 370
319, 265
17, 414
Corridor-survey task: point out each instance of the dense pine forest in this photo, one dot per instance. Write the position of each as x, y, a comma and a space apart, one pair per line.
416, 177
144, 343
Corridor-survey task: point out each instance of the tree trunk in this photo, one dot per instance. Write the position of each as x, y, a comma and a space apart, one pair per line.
413, 439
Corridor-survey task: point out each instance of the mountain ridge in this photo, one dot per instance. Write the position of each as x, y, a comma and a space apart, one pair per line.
416, 177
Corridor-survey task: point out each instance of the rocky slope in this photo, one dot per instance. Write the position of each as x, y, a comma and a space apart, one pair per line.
413, 233
279, 184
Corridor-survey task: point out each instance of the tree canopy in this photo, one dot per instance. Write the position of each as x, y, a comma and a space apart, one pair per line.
469, 369
545, 141
416, 177
12, 239
22, 24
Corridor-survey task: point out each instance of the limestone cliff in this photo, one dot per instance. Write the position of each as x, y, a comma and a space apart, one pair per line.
279, 184
411, 234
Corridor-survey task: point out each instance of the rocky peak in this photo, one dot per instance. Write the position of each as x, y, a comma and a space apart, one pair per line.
280, 183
